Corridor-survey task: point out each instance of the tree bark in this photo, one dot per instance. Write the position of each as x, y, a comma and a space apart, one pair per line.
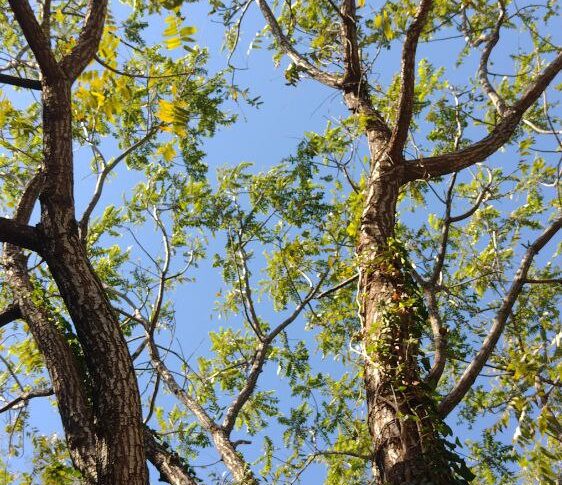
115, 396
67, 375
402, 417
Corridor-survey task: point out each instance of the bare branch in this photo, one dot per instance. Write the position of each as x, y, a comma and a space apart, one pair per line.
339, 286
259, 360
233, 461
246, 288
408, 75
547, 281
483, 75
20, 235
424, 168
9, 314
87, 45
444, 235
449, 219
439, 339
539, 130
153, 399
28, 199
474, 208
297, 311
20, 82
25, 397
166, 461
205, 420
285, 45
35, 36
474, 368
16, 231
491, 42
84, 221
248, 389
351, 58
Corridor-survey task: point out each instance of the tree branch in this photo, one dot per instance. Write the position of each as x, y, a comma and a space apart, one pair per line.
66, 374
491, 42
259, 360
424, 168
351, 58
84, 221
16, 231
299, 60
408, 75
232, 460
439, 339
474, 368
297, 311
339, 286
166, 461
87, 45
547, 281
20, 235
20, 82
26, 396
9, 314
248, 389
246, 287
35, 36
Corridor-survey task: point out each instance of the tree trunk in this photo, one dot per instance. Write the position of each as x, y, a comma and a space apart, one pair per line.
402, 420
65, 370
115, 396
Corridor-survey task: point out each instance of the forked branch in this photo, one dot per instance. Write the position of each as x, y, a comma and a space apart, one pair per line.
25, 397
260, 359
166, 461
475, 367
431, 167
232, 460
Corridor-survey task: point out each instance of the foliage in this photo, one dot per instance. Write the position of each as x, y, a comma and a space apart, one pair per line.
282, 238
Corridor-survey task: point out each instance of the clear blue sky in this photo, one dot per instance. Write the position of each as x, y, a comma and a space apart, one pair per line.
263, 136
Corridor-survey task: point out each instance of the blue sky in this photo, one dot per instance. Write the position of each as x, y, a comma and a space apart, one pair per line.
263, 136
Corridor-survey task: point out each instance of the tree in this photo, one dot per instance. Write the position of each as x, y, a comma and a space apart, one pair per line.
404, 418
93, 309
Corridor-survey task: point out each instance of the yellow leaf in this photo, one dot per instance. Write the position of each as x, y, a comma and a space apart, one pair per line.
388, 32
172, 43
172, 29
167, 151
59, 16
187, 31
166, 111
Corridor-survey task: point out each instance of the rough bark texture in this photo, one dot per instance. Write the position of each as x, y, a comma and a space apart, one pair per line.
103, 418
169, 464
115, 397
401, 417
401, 414
66, 373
